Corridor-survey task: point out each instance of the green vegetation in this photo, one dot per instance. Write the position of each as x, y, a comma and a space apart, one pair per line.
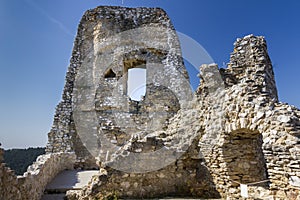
19, 159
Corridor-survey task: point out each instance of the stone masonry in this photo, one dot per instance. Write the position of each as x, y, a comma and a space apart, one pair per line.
259, 137
31, 185
243, 136
231, 131
110, 41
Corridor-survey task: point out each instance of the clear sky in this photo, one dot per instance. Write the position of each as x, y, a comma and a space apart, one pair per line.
36, 40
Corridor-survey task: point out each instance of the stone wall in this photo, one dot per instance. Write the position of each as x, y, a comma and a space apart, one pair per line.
32, 184
259, 137
184, 178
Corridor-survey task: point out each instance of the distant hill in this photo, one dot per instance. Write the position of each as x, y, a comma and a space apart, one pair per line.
19, 159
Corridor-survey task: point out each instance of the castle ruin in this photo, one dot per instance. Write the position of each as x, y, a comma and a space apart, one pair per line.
232, 130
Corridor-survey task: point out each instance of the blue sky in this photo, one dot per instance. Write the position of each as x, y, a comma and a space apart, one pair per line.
36, 40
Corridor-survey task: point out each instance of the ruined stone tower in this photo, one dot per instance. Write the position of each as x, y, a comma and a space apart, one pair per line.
110, 42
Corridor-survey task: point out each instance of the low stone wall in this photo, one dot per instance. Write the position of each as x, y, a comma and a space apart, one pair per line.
183, 178
32, 184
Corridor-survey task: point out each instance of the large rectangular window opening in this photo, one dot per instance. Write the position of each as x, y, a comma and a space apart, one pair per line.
135, 79
136, 84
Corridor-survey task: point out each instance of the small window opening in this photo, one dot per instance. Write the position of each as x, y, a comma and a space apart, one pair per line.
136, 83
110, 74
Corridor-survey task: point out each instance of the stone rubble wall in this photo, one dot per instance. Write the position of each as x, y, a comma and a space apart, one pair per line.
32, 184
259, 137
182, 177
